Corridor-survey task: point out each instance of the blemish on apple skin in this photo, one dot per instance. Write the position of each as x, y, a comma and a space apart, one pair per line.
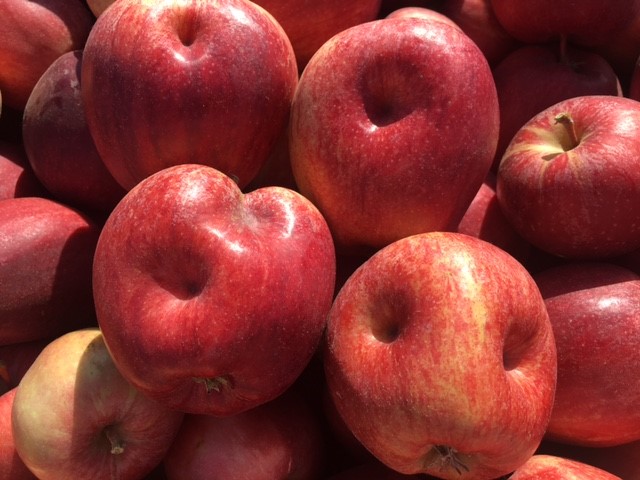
215, 384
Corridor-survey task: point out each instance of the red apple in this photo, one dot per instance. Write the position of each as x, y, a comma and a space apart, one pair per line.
75, 416
477, 19
212, 301
46, 255
280, 440
310, 24
569, 182
424, 13
17, 178
591, 23
11, 465
549, 467
218, 75
554, 72
484, 219
34, 34
58, 143
594, 308
385, 133
440, 358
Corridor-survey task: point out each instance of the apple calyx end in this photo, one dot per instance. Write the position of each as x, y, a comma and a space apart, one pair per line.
116, 443
569, 125
448, 457
215, 384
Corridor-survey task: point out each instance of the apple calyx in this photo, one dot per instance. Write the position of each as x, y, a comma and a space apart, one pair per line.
571, 140
116, 443
448, 457
215, 384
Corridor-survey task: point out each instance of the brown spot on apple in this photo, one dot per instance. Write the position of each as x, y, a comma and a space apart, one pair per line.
448, 457
215, 384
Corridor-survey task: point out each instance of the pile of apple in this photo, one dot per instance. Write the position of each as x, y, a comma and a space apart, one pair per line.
335, 240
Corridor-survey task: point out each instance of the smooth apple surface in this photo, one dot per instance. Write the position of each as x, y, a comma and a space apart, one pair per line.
46, 256
594, 308
424, 13
75, 416
555, 72
17, 178
58, 144
385, 135
440, 358
218, 75
212, 301
569, 181
549, 467
61, 26
591, 23
280, 440
310, 24
11, 465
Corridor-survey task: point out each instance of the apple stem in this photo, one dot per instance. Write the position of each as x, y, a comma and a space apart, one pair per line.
570, 127
215, 384
117, 445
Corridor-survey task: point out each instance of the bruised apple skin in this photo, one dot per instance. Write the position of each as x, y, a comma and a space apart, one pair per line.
212, 301
440, 358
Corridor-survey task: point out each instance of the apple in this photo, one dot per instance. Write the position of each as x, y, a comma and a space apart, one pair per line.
621, 460
34, 35
75, 416
593, 307
310, 24
477, 19
424, 13
541, 21
17, 178
385, 135
569, 181
58, 144
549, 467
46, 255
555, 72
484, 219
440, 357
11, 465
218, 75
279, 440
212, 301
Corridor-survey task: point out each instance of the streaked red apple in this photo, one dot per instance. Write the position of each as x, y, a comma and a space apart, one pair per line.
549, 467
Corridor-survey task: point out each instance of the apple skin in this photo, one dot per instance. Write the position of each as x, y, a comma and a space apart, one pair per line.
212, 301
61, 26
219, 75
58, 144
46, 255
541, 21
593, 307
464, 329
549, 467
75, 416
17, 178
484, 219
477, 19
576, 198
394, 101
310, 24
554, 72
11, 465
424, 13
279, 440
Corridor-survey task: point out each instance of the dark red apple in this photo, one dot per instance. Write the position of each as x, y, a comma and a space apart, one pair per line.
210, 300
17, 178
58, 144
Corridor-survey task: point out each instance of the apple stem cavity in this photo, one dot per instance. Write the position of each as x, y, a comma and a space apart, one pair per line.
569, 125
117, 444
448, 458
215, 384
